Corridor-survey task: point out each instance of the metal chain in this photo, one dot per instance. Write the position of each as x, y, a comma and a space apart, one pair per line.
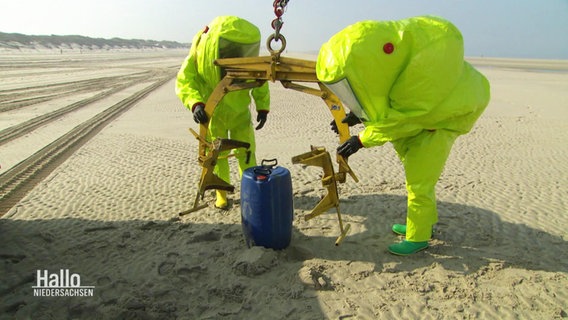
279, 9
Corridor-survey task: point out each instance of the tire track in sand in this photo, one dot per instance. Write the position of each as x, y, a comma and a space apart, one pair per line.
20, 179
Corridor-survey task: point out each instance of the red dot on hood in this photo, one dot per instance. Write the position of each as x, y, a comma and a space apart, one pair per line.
388, 48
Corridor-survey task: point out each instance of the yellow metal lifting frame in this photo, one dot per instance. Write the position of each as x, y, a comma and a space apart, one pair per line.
248, 73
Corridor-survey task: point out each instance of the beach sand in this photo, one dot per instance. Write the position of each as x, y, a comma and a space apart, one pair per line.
109, 214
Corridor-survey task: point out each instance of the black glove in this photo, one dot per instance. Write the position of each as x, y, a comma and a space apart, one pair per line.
350, 146
261, 118
351, 120
199, 114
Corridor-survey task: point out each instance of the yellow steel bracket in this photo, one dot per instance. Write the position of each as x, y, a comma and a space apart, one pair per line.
208, 179
252, 72
319, 157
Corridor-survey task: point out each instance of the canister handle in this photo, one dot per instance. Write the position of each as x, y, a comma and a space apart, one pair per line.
268, 163
265, 168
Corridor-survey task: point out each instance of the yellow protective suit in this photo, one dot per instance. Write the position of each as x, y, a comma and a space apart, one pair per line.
408, 82
224, 37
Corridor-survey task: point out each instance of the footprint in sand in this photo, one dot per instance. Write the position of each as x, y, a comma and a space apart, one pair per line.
188, 273
168, 266
103, 281
207, 236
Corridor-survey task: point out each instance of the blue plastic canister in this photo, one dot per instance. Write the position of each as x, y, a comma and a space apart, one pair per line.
267, 207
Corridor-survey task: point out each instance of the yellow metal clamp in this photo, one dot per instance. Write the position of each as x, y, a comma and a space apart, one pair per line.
318, 156
208, 179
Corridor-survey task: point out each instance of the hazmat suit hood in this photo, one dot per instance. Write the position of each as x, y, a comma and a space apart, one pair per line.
226, 37
402, 77
223, 37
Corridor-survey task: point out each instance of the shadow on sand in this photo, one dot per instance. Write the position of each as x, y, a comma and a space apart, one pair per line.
178, 269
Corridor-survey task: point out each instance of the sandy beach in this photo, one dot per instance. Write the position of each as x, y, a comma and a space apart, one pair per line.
109, 212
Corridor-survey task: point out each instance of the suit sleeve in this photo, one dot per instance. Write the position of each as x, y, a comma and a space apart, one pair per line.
261, 97
189, 83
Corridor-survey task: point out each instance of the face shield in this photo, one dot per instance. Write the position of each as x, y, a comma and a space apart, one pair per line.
230, 49
342, 89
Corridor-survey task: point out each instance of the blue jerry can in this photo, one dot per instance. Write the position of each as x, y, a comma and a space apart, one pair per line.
267, 207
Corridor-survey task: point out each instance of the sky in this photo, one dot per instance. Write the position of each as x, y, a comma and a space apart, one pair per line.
491, 28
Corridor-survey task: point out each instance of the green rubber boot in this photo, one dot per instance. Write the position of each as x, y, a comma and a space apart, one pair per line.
406, 248
399, 229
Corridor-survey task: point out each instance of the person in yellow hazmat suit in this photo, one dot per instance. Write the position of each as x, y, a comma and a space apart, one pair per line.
409, 85
224, 37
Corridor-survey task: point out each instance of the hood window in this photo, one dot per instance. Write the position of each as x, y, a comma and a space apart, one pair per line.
230, 49
342, 89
